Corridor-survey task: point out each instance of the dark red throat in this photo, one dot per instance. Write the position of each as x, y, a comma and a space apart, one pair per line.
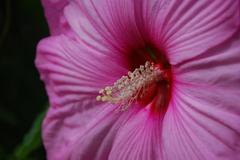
159, 93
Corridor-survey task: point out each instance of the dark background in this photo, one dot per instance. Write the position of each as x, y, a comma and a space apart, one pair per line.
22, 96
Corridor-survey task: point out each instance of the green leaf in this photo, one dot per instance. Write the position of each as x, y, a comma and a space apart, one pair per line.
31, 141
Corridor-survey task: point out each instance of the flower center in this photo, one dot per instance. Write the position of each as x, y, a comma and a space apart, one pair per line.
145, 84
158, 95
129, 89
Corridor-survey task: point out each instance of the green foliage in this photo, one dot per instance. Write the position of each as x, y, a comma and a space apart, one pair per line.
31, 141
22, 26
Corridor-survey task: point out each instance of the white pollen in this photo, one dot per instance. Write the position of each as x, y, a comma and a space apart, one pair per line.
129, 88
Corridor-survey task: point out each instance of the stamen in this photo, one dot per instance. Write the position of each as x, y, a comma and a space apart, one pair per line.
129, 88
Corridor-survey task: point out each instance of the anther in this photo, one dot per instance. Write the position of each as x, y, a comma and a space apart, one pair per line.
129, 88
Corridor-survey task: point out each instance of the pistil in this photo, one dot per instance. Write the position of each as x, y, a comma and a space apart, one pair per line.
128, 89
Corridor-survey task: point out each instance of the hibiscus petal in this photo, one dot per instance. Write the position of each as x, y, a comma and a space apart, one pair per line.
62, 129
104, 22
54, 13
205, 117
217, 67
71, 69
73, 75
178, 142
202, 125
97, 139
139, 138
82, 135
188, 28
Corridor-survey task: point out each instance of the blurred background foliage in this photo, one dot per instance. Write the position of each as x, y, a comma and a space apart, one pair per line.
23, 99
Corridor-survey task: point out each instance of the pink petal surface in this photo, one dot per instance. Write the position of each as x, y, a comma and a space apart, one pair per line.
200, 127
88, 53
103, 22
54, 14
70, 68
216, 68
204, 122
97, 139
72, 83
188, 28
139, 138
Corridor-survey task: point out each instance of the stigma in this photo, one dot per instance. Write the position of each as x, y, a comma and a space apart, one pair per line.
132, 87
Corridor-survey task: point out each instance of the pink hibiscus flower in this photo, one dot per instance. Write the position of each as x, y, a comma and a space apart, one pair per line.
181, 98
